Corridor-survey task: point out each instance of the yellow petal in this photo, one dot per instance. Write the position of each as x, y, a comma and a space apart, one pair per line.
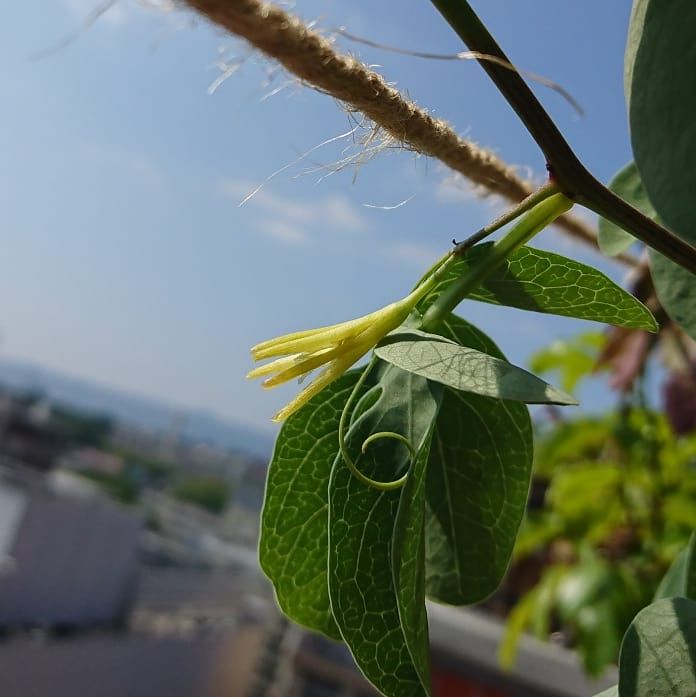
288, 337
274, 366
325, 378
307, 364
321, 338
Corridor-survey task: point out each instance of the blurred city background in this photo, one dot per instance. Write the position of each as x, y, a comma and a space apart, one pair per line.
133, 454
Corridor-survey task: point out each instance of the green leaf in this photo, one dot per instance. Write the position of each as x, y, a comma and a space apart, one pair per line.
477, 483
579, 494
370, 558
461, 368
626, 183
676, 290
294, 536
660, 64
658, 651
408, 566
587, 601
582, 586
599, 636
635, 31
540, 281
574, 359
518, 620
532, 609
680, 579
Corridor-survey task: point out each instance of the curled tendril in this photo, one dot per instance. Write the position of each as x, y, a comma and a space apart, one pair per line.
381, 486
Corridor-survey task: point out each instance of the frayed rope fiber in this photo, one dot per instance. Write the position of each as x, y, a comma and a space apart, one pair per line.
311, 57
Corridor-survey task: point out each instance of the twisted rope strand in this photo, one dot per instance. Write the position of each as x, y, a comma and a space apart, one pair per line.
311, 57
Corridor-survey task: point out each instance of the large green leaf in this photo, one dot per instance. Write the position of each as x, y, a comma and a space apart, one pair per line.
540, 281
626, 183
658, 653
294, 536
469, 370
680, 579
676, 289
382, 624
408, 565
660, 65
477, 483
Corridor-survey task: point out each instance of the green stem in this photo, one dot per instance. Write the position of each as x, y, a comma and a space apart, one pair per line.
437, 271
541, 194
533, 222
572, 176
342, 430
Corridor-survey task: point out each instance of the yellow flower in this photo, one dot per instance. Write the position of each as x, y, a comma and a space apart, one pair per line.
337, 347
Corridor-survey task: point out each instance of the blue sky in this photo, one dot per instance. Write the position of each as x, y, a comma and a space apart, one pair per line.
126, 257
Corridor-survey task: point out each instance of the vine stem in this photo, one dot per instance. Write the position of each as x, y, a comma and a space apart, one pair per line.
531, 223
535, 212
342, 430
572, 176
544, 192
437, 271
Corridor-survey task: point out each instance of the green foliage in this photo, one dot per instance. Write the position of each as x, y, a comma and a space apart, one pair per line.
657, 649
294, 522
680, 579
210, 493
370, 551
152, 470
573, 359
465, 369
660, 64
626, 183
385, 549
118, 486
419, 489
676, 289
82, 428
657, 654
477, 482
541, 281
609, 518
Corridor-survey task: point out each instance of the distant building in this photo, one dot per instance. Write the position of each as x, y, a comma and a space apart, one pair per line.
92, 460
68, 560
27, 435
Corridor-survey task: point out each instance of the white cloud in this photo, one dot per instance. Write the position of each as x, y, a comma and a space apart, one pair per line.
341, 212
135, 163
293, 221
282, 232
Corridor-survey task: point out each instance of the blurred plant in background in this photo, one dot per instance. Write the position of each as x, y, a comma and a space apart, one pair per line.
613, 498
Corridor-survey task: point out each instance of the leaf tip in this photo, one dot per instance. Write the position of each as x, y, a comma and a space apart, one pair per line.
556, 396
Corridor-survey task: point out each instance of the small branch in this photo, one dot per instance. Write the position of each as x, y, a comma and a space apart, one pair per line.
533, 221
538, 196
572, 176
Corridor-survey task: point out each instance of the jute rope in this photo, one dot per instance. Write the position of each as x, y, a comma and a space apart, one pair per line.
311, 57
